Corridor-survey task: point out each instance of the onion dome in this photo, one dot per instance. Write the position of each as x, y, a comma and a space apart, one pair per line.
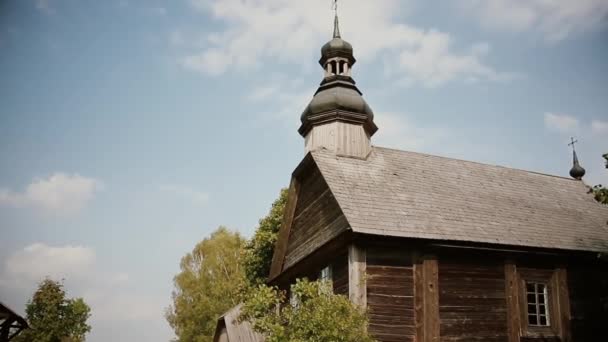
577, 171
337, 47
337, 98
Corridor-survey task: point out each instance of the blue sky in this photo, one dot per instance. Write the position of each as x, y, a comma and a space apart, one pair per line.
129, 130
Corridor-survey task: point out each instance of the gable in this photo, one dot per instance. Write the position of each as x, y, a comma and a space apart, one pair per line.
312, 218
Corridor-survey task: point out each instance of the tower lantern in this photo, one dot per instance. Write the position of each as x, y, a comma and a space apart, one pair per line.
338, 118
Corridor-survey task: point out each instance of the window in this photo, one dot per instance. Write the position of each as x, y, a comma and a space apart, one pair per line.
537, 299
325, 274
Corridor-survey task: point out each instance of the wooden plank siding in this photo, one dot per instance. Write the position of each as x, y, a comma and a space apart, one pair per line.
472, 302
390, 297
588, 292
317, 218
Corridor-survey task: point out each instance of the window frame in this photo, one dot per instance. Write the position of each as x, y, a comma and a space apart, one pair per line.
542, 308
546, 277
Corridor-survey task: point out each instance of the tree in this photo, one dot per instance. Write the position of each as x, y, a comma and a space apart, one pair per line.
258, 252
208, 285
600, 193
315, 314
53, 317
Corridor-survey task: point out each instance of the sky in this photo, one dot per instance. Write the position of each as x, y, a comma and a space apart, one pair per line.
130, 130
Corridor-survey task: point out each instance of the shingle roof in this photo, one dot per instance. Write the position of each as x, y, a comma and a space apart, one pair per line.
236, 331
406, 194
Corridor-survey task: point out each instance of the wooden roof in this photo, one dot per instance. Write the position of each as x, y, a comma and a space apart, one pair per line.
406, 194
229, 329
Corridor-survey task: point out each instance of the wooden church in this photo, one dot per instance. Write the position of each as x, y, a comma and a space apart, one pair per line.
437, 249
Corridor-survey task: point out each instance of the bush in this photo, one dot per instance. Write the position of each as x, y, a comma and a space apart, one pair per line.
314, 314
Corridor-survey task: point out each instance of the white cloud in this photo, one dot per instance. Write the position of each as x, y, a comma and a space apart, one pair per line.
599, 127
299, 28
555, 20
432, 64
190, 194
561, 122
59, 194
37, 261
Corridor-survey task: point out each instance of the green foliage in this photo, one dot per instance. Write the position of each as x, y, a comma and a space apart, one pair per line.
208, 285
316, 315
258, 252
600, 193
55, 318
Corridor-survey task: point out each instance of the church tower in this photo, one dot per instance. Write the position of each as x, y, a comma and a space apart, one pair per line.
337, 118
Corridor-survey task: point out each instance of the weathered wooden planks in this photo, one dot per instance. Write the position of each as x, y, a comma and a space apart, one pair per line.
512, 297
472, 302
390, 298
588, 294
357, 290
317, 218
282, 241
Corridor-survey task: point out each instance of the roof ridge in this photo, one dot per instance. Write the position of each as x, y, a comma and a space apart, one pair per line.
476, 162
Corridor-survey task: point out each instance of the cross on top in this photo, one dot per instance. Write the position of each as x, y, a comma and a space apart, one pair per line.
572, 142
335, 6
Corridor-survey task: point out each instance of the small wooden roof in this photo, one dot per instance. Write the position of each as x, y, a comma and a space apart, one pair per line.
229, 329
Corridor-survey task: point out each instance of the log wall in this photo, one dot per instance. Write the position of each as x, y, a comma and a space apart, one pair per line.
390, 297
589, 303
472, 302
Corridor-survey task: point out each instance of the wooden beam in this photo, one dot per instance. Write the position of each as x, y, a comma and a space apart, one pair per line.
5, 328
357, 285
426, 296
512, 296
283, 238
562, 304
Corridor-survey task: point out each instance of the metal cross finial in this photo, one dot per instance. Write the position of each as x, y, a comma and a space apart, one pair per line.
572, 143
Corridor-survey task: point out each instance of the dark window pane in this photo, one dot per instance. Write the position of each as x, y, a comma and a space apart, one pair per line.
531, 309
541, 309
530, 287
541, 288
543, 320
532, 320
531, 298
541, 298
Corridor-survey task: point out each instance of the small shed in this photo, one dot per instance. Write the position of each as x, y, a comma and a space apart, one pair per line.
229, 329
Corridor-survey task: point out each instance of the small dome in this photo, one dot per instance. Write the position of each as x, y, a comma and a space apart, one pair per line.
337, 99
577, 172
336, 46
342, 98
